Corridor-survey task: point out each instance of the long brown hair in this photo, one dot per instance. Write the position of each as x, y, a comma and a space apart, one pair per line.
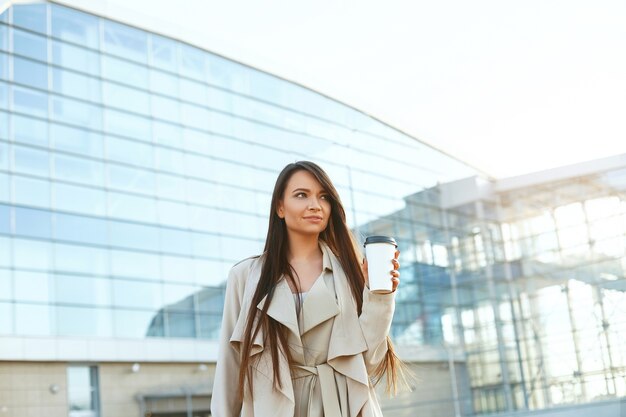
275, 265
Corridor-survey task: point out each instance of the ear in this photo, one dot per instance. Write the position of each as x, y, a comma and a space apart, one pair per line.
280, 211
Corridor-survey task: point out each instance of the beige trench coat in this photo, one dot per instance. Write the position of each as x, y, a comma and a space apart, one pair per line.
337, 348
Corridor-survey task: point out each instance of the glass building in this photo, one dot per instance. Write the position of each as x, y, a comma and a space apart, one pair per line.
135, 169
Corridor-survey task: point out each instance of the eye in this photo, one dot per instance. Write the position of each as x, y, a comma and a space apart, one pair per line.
325, 197
301, 194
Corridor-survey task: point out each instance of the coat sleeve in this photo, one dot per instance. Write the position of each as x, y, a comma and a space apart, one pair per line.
376, 315
224, 399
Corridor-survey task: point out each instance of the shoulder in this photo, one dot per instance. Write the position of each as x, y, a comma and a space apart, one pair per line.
241, 270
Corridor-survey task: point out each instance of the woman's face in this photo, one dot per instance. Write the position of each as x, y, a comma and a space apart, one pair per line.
305, 205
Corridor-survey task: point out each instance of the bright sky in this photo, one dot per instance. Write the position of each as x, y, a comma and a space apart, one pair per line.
509, 86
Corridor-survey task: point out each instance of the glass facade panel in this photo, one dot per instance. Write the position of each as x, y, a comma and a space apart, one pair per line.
31, 17
30, 45
30, 131
76, 140
76, 58
75, 85
31, 192
125, 42
30, 73
72, 168
30, 102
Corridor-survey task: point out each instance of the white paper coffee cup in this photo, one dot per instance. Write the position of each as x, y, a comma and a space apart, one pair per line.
380, 251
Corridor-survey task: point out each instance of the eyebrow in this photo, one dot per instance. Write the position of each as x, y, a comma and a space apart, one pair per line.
308, 191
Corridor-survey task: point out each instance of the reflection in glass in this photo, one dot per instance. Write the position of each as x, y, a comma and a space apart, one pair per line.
134, 236
131, 323
124, 41
164, 53
131, 179
74, 26
125, 98
128, 125
132, 207
125, 72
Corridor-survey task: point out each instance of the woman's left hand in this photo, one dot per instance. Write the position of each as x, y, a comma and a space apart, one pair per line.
395, 274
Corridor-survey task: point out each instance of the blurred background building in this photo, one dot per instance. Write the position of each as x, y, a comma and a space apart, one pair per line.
135, 169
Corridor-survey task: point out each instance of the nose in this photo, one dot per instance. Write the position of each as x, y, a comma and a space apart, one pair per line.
314, 204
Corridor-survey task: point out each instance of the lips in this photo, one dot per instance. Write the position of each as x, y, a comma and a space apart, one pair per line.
313, 218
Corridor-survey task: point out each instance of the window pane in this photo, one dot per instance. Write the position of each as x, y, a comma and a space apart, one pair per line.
30, 130
163, 83
30, 45
76, 58
71, 168
76, 140
30, 73
32, 286
5, 255
4, 104
77, 113
80, 259
165, 134
164, 53
181, 324
124, 124
193, 91
75, 85
30, 16
170, 186
74, 26
33, 223
73, 228
5, 222
134, 236
137, 294
31, 161
4, 37
125, 41
32, 254
131, 152
131, 179
165, 109
132, 207
80, 199
194, 62
82, 389
4, 128
126, 98
25, 324
173, 214
6, 318
77, 289
135, 264
175, 241
130, 323
4, 187
4, 67
116, 69
30, 102
83, 321
31, 192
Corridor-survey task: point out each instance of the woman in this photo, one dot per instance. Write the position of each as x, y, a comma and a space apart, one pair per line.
302, 335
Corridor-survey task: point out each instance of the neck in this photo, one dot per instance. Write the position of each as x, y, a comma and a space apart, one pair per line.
304, 247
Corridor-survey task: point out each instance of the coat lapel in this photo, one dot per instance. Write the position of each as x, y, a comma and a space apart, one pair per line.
319, 305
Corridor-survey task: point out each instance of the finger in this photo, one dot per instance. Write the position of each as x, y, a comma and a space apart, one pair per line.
394, 283
395, 274
396, 264
396, 254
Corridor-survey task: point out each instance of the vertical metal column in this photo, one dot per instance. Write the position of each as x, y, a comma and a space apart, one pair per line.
506, 381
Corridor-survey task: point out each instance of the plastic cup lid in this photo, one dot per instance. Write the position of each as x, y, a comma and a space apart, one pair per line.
380, 239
